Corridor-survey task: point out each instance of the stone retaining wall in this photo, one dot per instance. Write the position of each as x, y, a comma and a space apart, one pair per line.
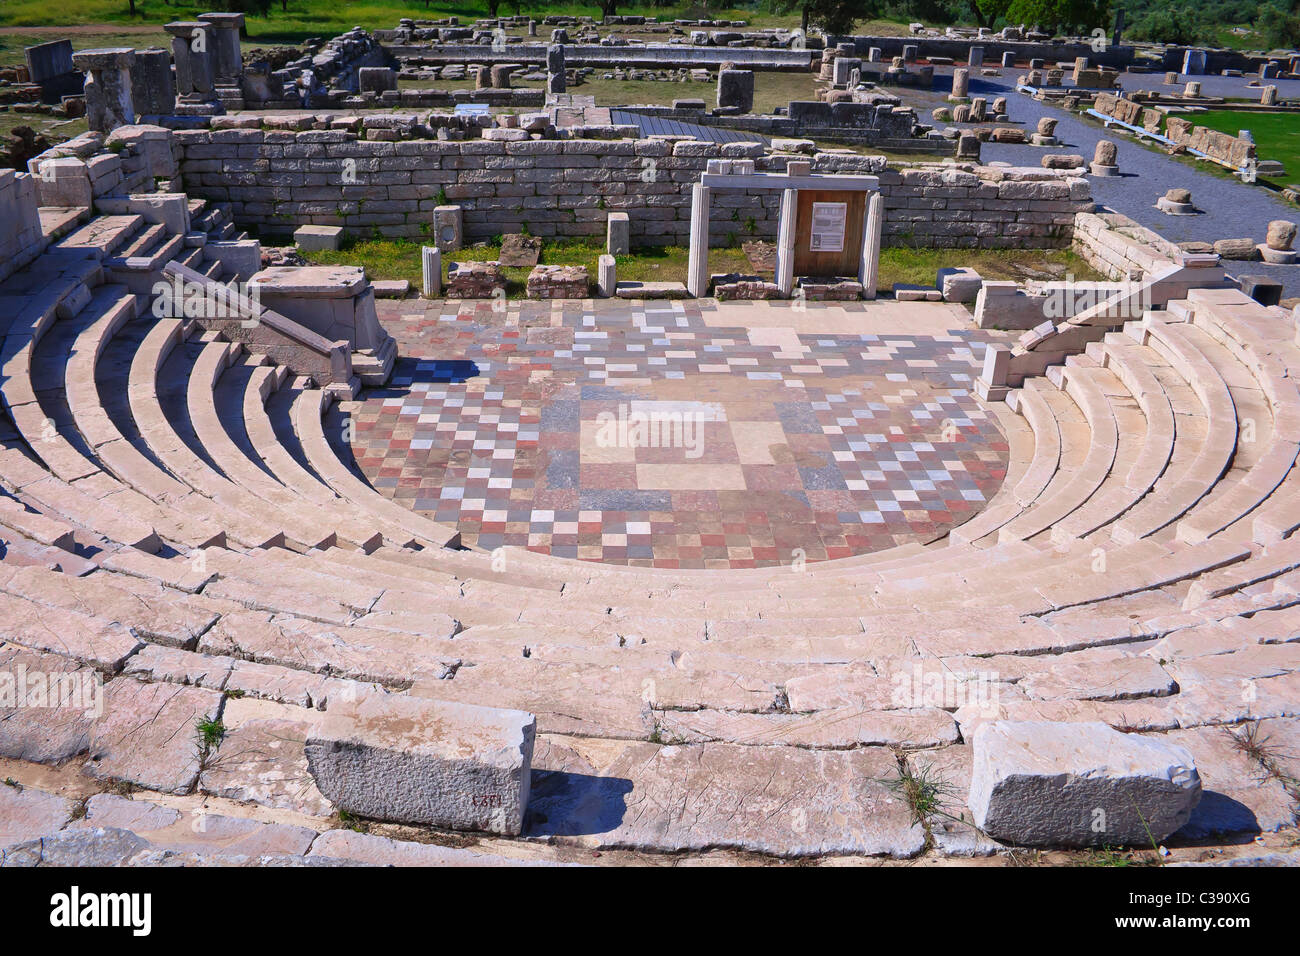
1120, 248
21, 240
276, 181
667, 55
958, 49
1223, 147
858, 123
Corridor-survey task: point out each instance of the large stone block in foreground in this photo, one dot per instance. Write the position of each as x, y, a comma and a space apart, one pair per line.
413, 760
1079, 784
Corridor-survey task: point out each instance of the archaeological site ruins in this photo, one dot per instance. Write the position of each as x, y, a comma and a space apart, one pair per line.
546, 440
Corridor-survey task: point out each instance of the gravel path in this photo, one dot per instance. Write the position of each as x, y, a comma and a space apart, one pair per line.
1230, 209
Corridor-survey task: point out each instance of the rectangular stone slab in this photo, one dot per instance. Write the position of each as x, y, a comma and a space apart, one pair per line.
782, 801
413, 760
1040, 783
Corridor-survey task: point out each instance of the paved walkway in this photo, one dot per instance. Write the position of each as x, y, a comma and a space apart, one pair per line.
684, 434
1230, 210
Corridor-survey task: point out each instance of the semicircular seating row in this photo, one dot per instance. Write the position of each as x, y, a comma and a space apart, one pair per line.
186, 513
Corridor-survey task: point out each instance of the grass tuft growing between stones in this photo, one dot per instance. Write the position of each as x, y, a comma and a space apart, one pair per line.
211, 733
1115, 857
1255, 745
925, 791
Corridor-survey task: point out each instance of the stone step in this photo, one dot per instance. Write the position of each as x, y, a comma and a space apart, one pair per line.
1078, 483
102, 237
74, 635
1188, 480
151, 612
309, 427
168, 447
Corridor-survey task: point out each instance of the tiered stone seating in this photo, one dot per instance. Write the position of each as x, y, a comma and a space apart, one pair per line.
308, 412
1137, 565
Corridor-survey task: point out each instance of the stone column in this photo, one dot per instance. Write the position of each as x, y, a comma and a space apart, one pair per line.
785, 242
607, 275
108, 87
431, 259
869, 267
1268, 96
191, 51
555, 81
152, 85
697, 265
960, 84
228, 62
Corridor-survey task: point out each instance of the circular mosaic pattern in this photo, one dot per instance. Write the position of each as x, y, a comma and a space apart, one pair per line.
657, 434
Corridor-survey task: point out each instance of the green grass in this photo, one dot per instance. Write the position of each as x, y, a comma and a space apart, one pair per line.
770, 90
400, 259
305, 18
1274, 133
318, 18
912, 266
1110, 857
54, 128
12, 44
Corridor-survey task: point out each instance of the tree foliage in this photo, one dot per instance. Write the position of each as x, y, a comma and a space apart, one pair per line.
839, 16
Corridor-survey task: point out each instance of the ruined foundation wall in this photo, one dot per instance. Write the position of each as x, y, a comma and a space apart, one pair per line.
276, 181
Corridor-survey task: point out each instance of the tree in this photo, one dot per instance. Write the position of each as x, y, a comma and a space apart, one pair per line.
987, 12
833, 16
250, 8
1177, 27
1055, 15
1280, 29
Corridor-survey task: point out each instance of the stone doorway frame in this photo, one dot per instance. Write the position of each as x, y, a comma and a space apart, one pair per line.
697, 269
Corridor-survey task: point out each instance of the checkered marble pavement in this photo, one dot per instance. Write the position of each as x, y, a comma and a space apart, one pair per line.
649, 433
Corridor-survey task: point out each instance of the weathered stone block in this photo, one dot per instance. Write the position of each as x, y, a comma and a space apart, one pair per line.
474, 280
448, 228
412, 760
376, 79
959, 284
318, 238
618, 234
558, 282
1079, 784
